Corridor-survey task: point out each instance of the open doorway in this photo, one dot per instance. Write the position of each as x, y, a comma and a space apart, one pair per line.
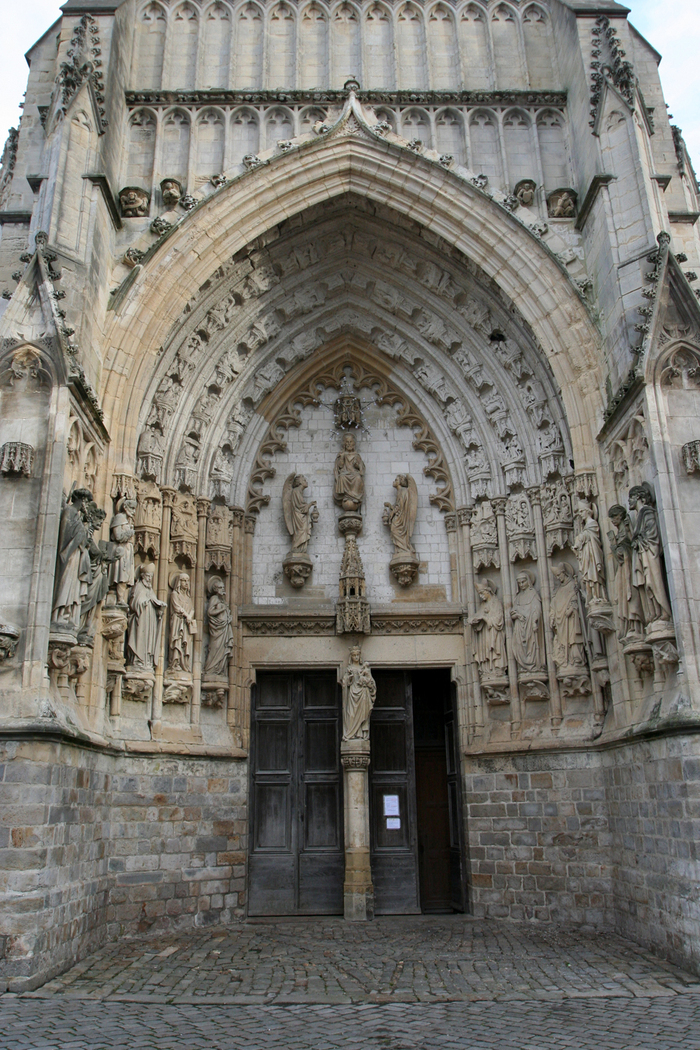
416, 830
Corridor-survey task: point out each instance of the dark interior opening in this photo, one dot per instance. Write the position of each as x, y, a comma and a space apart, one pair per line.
431, 702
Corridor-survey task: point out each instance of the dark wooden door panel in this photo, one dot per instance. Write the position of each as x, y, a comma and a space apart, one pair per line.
392, 797
297, 859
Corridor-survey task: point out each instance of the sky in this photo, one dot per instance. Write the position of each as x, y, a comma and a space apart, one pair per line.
671, 26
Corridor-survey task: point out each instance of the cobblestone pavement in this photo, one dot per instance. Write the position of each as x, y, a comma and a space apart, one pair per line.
394, 984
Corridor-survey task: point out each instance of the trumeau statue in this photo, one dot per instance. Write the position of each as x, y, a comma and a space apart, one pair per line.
183, 625
488, 625
349, 487
359, 693
220, 629
73, 571
145, 621
526, 613
629, 606
647, 570
565, 621
299, 516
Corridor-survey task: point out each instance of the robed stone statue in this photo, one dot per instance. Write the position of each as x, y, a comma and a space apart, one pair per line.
565, 621
183, 626
401, 518
349, 476
73, 569
526, 613
488, 625
647, 570
359, 693
145, 620
220, 629
299, 516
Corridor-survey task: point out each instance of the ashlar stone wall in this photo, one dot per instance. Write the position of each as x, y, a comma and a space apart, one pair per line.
94, 843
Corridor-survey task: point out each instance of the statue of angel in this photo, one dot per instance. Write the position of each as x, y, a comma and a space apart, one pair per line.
299, 516
401, 518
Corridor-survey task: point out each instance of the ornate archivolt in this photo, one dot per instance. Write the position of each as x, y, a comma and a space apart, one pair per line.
451, 336
364, 379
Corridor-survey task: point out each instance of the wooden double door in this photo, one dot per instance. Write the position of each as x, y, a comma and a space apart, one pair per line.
296, 860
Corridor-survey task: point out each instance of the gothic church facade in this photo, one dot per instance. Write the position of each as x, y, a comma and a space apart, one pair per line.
349, 455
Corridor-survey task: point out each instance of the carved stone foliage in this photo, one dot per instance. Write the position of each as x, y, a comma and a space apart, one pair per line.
290, 416
17, 459
690, 454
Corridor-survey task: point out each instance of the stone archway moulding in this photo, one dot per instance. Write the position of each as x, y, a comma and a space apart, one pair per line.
370, 167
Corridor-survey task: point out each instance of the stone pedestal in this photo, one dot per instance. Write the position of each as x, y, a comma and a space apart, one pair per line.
358, 891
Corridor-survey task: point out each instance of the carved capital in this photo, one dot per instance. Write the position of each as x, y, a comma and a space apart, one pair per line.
535, 495
355, 761
237, 516
464, 515
499, 504
249, 521
451, 522
168, 495
203, 505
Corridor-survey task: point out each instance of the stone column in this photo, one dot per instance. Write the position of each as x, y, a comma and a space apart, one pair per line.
358, 891
546, 595
499, 507
451, 529
203, 506
237, 560
162, 593
464, 516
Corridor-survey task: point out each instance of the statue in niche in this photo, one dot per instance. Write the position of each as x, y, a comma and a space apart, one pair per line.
629, 606
647, 570
565, 620
589, 552
183, 626
299, 517
98, 584
359, 693
349, 475
525, 192
401, 519
526, 614
121, 533
488, 624
73, 570
145, 621
220, 629
171, 192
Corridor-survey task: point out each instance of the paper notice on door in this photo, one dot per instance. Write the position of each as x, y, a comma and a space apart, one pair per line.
393, 823
391, 806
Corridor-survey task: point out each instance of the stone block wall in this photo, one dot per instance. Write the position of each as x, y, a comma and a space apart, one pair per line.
96, 845
539, 838
653, 791
609, 837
